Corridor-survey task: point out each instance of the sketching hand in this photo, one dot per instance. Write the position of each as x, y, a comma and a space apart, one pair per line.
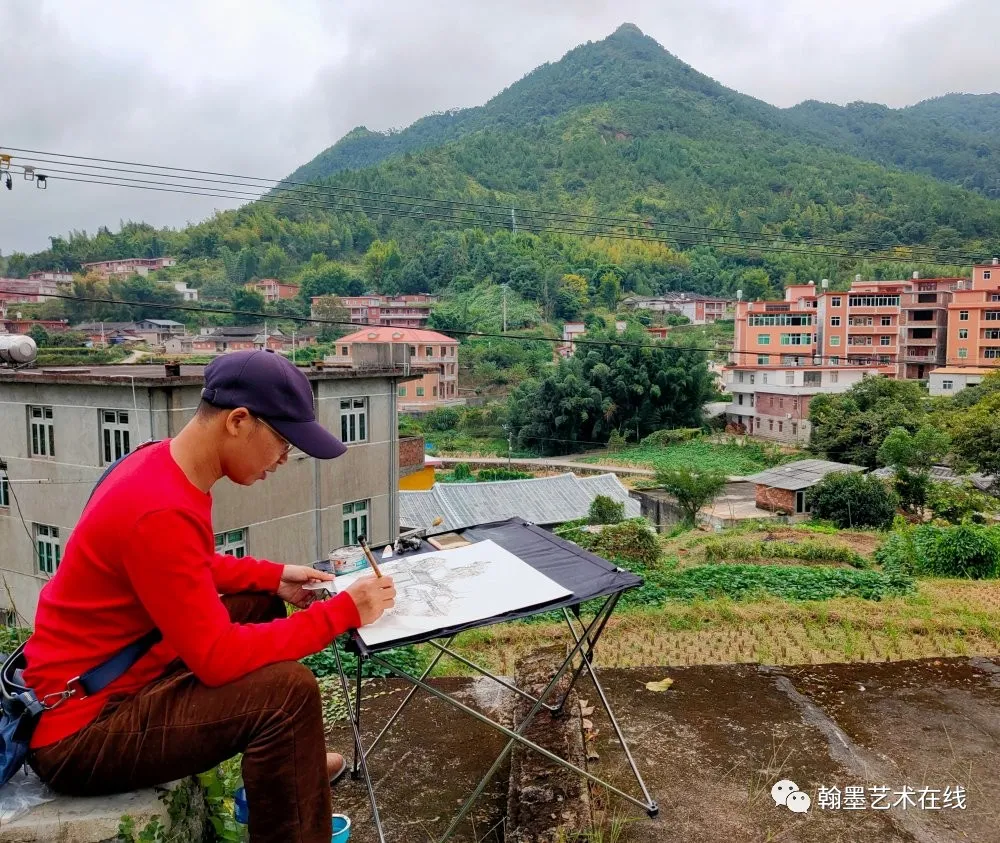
372, 595
293, 577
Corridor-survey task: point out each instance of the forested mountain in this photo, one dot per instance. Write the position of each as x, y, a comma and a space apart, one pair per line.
618, 127
953, 138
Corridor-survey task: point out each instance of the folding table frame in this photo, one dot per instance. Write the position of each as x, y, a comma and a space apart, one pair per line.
584, 635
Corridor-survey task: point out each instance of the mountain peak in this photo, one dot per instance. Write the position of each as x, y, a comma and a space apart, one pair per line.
627, 30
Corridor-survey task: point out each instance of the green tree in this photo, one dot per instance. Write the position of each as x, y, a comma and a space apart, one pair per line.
382, 264
976, 435
693, 489
247, 300
609, 290
272, 264
911, 456
332, 309
39, 335
851, 427
853, 499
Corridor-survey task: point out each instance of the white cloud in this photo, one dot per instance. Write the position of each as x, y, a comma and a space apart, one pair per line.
260, 86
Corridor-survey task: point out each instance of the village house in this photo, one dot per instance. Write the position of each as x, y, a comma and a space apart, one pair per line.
404, 311
273, 290
437, 353
699, 309
784, 488
27, 290
128, 266
53, 276
60, 429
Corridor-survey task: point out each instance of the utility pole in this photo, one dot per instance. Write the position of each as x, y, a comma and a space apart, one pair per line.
513, 222
504, 287
293, 347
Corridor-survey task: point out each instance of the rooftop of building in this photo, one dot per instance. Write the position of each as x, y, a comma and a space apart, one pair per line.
800, 474
963, 370
390, 334
163, 375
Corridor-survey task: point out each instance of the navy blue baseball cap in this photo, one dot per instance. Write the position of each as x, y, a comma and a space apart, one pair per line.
273, 389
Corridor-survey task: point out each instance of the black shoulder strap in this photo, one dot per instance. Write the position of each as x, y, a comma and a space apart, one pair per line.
115, 464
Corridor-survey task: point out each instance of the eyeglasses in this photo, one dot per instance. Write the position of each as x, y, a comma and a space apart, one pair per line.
286, 445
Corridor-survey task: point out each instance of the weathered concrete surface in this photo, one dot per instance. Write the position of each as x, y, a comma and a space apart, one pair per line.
427, 764
712, 746
70, 819
546, 803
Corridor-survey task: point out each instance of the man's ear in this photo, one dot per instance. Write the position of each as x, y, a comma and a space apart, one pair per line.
237, 420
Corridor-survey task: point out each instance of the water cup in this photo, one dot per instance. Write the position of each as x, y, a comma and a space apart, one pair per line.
341, 829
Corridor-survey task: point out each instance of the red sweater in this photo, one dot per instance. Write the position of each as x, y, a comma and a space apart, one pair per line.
143, 555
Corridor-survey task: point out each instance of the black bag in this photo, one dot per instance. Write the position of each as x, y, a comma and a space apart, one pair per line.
20, 706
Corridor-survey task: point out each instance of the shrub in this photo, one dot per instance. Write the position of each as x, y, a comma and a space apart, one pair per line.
324, 662
854, 500
959, 503
616, 441
661, 438
462, 472
442, 418
631, 540
488, 475
965, 550
605, 510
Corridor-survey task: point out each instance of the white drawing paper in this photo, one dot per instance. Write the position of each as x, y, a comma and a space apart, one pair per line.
445, 588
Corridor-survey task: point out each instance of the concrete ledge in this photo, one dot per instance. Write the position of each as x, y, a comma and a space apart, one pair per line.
73, 819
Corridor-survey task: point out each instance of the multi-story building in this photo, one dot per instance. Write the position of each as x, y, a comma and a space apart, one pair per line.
272, 289
923, 325
59, 430
128, 266
973, 346
435, 352
408, 311
51, 275
699, 309
811, 342
28, 291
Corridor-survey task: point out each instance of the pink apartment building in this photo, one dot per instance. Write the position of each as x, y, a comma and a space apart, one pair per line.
434, 352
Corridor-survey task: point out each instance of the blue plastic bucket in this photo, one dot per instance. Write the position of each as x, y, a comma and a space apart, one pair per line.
341, 829
241, 813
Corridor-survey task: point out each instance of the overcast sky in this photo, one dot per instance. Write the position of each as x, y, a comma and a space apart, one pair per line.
261, 86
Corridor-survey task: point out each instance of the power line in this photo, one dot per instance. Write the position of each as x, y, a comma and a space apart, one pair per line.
493, 214
870, 361
314, 190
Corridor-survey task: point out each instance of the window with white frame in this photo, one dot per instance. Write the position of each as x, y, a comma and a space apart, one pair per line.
886, 321
835, 301
963, 315
420, 392
834, 340
763, 360
947, 385
4, 493
48, 547
790, 378
764, 339
353, 420
834, 321
963, 333
885, 340
986, 274
232, 543
402, 392
763, 377
834, 376
963, 352
43, 436
355, 520
116, 439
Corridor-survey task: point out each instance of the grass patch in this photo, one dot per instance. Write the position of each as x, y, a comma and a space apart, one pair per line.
730, 457
739, 549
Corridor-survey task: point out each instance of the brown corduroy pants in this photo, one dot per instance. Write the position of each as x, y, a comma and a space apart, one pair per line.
176, 727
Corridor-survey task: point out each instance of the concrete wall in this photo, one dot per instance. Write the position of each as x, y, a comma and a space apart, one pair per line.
295, 516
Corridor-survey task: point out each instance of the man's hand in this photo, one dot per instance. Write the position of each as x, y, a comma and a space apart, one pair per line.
293, 577
372, 595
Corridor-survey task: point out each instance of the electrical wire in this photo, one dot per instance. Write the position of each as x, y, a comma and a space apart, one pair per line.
869, 361
494, 215
17, 505
314, 188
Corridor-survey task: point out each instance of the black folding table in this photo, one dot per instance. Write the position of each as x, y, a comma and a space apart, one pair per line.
588, 578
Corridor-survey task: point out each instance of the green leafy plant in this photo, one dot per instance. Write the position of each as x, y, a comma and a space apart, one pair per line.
489, 475
660, 438
965, 550
957, 503
854, 500
462, 472
631, 540
605, 510
324, 663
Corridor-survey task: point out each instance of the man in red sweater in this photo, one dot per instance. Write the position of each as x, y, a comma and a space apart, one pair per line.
225, 678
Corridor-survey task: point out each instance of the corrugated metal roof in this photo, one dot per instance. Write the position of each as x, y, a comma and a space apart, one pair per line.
800, 474
944, 474
542, 500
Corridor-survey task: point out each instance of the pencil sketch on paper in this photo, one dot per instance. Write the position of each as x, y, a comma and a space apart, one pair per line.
445, 588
